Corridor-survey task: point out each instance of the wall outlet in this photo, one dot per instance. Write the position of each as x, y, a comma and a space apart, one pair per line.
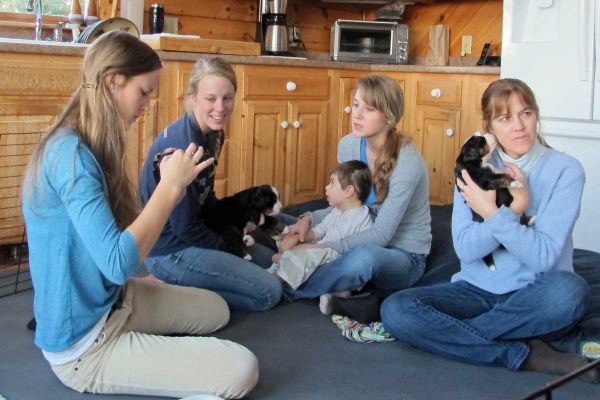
171, 24
467, 42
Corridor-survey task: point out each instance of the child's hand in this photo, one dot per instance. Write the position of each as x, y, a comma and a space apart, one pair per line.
300, 228
289, 242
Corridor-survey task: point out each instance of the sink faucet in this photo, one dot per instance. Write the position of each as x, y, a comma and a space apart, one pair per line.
36, 6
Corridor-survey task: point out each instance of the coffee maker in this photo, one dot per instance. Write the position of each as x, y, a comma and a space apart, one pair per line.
272, 27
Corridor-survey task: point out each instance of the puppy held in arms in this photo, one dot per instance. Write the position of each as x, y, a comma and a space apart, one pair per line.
474, 156
234, 217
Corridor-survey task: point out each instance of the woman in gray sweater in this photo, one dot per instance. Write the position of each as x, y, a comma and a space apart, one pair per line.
391, 255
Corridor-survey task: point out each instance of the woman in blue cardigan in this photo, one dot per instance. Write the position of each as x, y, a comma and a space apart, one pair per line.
101, 330
500, 314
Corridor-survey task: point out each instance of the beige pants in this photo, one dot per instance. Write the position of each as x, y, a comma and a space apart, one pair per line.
130, 355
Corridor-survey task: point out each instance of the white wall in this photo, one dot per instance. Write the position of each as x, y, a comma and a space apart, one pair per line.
582, 141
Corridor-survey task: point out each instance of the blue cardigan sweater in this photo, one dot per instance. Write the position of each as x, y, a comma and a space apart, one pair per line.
78, 256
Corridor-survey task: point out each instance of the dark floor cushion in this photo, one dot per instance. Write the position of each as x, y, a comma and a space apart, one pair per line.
442, 261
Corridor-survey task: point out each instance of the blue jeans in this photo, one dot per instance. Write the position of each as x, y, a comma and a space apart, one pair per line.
386, 270
462, 322
243, 284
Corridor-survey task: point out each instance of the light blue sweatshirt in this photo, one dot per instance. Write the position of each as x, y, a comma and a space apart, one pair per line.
555, 186
78, 256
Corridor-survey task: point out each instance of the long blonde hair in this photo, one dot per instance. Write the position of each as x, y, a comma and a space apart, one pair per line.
495, 100
94, 115
385, 95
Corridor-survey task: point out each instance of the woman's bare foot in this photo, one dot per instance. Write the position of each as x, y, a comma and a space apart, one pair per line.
151, 278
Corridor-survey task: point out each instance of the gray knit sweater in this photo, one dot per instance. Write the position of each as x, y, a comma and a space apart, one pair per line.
403, 220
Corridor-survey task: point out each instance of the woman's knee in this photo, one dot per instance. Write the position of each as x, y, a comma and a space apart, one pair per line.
568, 295
272, 293
360, 258
243, 374
399, 313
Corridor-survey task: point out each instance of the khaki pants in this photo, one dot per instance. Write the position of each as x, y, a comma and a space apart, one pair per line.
130, 355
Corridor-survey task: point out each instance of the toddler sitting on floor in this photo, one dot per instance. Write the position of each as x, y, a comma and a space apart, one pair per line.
348, 188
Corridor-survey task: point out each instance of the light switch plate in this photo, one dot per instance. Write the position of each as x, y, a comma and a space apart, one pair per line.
466, 47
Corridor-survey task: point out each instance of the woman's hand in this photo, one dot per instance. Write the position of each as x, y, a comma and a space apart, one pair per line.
521, 194
483, 202
301, 227
180, 168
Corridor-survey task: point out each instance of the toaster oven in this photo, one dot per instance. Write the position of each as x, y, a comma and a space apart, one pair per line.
369, 41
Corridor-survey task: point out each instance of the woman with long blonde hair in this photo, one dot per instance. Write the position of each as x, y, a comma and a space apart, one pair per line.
101, 330
391, 254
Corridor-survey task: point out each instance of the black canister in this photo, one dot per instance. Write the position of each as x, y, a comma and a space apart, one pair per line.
156, 18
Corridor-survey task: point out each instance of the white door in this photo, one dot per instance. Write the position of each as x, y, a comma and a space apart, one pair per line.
596, 114
549, 44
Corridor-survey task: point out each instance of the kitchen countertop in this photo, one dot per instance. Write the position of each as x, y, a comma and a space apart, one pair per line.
316, 60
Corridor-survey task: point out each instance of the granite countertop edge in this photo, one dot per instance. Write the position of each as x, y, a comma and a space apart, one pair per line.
312, 61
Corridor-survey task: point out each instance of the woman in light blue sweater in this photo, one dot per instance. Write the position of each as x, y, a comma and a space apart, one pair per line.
391, 254
498, 315
101, 331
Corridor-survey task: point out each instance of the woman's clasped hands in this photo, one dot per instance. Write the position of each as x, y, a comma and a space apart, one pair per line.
483, 202
180, 168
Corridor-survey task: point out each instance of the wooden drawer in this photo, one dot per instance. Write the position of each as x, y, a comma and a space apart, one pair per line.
289, 83
439, 92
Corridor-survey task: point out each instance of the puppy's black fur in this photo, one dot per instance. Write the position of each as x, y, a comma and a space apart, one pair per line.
269, 232
234, 216
474, 156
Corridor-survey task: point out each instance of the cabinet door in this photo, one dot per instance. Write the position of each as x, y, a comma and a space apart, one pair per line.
438, 128
305, 152
139, 139
472, 117
264, 143
22, 124
347, 90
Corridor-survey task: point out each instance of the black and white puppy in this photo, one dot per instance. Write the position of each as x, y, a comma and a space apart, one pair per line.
474, 156
233, 217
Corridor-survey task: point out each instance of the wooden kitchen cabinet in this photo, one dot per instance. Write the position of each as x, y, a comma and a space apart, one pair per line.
34, 90
282, 122
436, 127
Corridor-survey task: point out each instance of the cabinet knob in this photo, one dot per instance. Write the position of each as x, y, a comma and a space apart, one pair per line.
347, 109
285, 124
449, 132
436, 93
290, 86
296, 124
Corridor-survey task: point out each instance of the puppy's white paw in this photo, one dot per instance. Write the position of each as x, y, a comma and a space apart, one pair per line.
248, 241
531, 221
285, 230
248, 257
515, 185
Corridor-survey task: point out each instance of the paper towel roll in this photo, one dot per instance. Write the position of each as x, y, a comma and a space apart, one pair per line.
133, 10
